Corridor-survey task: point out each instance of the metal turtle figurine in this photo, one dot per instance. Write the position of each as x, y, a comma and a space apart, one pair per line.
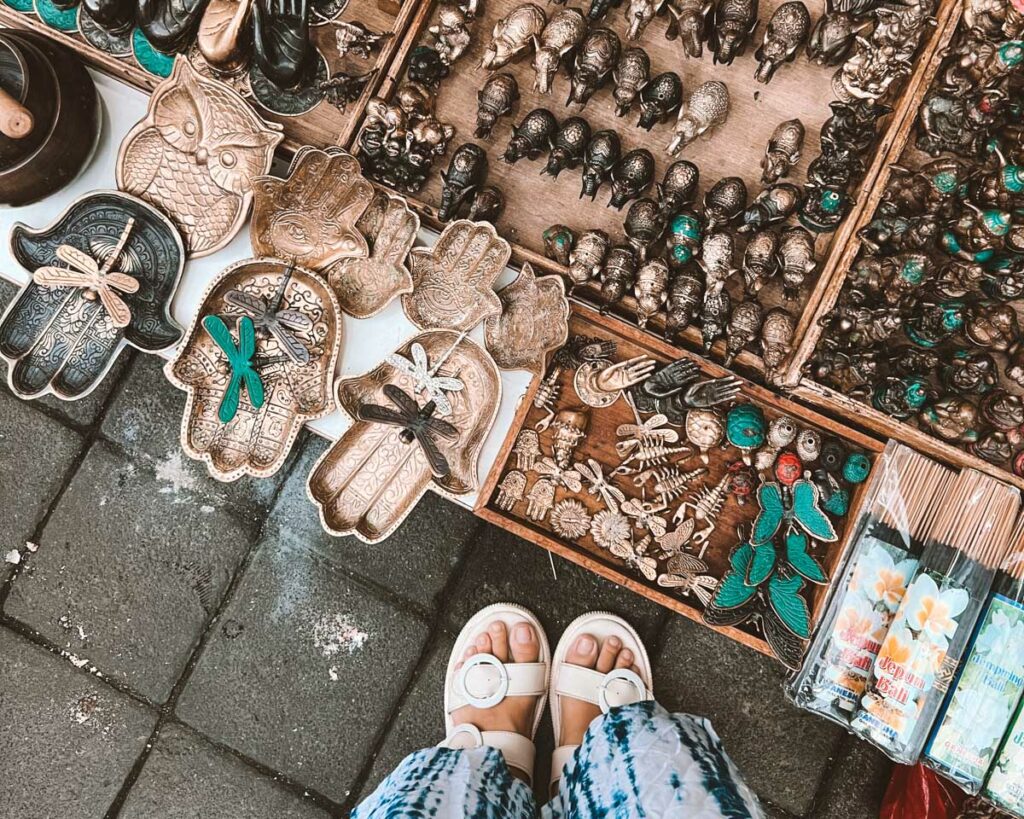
466, 172
568, 146
684, 238
707, 107
744, 327
786, 31
532, 136
725, 201
597, 55
559, 241
496, 99
660, 99
631, 177
603, 150
631, 74
783, 151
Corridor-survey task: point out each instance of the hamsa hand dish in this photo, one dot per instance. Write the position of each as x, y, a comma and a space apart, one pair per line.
195, 155
400, 445
257, 363
534, 320
310, 216
452, 280
104, 271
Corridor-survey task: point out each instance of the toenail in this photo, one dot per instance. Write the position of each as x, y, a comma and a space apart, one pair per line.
614, 642
627, 656
586, 644
495, 628
523, 633
481, 640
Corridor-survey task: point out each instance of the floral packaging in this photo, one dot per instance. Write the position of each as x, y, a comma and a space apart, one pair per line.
900, 506
931, 629
1005, 786
990, 684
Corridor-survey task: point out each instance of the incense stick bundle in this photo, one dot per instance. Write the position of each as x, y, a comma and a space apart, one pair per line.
981, 703
901, 504
926, 641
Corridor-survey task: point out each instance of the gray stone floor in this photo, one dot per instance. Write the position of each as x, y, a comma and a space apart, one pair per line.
173, 647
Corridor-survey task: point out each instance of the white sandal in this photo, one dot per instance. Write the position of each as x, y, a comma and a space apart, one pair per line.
484, 681
621, 686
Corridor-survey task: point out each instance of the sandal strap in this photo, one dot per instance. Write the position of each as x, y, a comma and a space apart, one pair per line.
562, 756
484, 681
519, 752
618, 687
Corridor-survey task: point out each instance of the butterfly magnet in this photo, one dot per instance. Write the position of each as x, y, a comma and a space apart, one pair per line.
400, 446
105, 271
257, 363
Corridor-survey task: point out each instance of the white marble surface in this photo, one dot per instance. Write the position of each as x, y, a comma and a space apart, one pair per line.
365, 342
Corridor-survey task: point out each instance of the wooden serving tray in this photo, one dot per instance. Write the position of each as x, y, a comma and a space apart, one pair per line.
902, 152
600, 445
321, 126
799, 89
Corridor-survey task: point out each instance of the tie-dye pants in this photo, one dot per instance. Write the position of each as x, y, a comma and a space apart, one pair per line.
635, 761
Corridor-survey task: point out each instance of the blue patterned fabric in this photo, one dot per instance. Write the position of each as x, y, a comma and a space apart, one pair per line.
636, 761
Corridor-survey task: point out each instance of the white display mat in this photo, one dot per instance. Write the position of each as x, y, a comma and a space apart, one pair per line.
365, 343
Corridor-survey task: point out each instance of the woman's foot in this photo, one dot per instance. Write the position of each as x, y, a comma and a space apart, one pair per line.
585, 651
514, 714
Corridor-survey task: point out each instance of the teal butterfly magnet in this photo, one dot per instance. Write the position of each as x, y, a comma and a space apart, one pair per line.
803, 510
240, 360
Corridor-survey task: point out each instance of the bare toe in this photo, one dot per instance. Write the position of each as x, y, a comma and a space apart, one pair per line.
525, 645
583, 652
483, 644
609, 651
499, 640
625, 659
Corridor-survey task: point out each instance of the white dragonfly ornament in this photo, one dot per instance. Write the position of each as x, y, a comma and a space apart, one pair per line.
425, 377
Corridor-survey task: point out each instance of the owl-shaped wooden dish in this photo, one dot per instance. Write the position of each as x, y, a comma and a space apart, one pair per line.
195, 155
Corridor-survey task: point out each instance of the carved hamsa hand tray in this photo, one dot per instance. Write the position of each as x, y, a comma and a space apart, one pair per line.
195, 155
257, 363
104, 271
415, 429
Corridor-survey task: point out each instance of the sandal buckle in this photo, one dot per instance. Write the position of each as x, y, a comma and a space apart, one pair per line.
497, 685
620, 697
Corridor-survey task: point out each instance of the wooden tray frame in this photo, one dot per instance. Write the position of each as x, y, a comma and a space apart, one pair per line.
746, 362
810, 331
310, 128
613, 570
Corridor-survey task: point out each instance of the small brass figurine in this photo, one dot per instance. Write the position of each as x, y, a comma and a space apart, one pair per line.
559, 242
532, 136
796, 256
631, 74
650, 289
631, 177
685, 295
776, 340
563, 33
724, 202
281, 47
772, 205
496, 99
786, 32
639, 14
355, 38
685, 238
513, 34
691, 24
587, 258
568, 146
760, 260
676, 189
618, 275
603, 151
832, 37
660, 99
644, 226
466, 173
744, 327
714, 315
487, 205
783, 151
717, 257
732, 24
596, 57
707, 107
450, 32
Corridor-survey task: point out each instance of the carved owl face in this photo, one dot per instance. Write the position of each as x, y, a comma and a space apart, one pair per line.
195, 156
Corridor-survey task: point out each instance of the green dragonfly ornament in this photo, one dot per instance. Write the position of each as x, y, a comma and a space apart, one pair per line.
795, 500
240, 359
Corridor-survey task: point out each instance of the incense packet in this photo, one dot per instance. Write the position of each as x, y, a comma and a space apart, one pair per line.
1005, 785
888, 539
923, 647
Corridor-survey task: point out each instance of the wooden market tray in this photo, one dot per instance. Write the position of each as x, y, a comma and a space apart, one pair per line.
534, 202
809, 332
322, 125
600, 445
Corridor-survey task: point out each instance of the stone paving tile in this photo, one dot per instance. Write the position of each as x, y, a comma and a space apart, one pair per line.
857, 784
783, 752
36, 454
128, 574
197, 779
85, 411
145, 417
505, 568
67, 740
415, 562
303, 670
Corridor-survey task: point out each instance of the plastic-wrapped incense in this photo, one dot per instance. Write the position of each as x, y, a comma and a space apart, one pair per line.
981, 702
900, 505
927, 638
1005, 786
